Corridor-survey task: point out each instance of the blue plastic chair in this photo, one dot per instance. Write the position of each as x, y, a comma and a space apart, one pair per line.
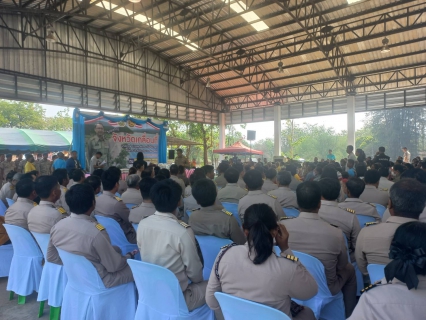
53, 277
6, 255
160, 295
118, 195
234, 308
376, 272
380, 209
364, 219
233, 208
324, 305
116, 235
210, 247
291, 212
188, 212
10, 201
130, 205
26, 267
2, 208
87, 298
359, 276
135, 226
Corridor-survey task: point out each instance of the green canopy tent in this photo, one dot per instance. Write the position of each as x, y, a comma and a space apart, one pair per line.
25, 140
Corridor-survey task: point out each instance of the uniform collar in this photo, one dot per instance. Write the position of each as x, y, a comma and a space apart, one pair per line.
147, 204
210, 208
80, 216
46, 203
399, 220
369, 186
255, 192
284, 188
166, 214
421, 285
108, 193
353, 200
24, 200
329, 203
231, 185
309, 215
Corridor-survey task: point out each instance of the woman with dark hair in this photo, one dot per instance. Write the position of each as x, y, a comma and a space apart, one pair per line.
360, 156
254, 272
139, 161
404, 295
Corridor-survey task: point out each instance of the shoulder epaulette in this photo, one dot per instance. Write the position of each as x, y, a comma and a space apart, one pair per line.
286, 218
227, 212
183, 224
246, 189
371, 223
371, 204
195, 209
272, 196
135, 207
12, 187
35, 204
118, 198
65, 189
371, 286
62, 210
333, 225
384, 189
290, 257
100, 227
350, 210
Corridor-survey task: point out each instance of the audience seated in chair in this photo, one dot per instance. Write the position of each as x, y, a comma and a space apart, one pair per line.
371, 194
221, 180
270, 182
146, 208
132, 194
63, 180
232, 192
285, 196
17, 214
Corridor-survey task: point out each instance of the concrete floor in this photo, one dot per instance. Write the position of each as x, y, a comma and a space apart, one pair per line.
10, 310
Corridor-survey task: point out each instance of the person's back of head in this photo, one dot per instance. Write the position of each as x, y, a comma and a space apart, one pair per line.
259, 223
284, 178
94, 182
181, 169
110, 180
309, 196
382, 149
45, 185
25, 188
361, 169
140, 156
270, 174
223, 166
98, 173
350, 163
132, 180
78, 175
356, 187
407, 198
204, 192
208, 169
399, 168
329, 172
232, 175
166, 195
147, 173
80, 198
239, 167
145, 186
253, 180
174, 170
384, 172
372, 177
132, 170
62, 176
164, 172
292, 169
345, 175
330, 188
407, 254
417, 174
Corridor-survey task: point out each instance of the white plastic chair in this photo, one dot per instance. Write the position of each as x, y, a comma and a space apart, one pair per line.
234, 308
6, 255
210, 248
87, 298
380, 209
376, 272
233, 208
364, 219
160, 295
291, 212
10, 201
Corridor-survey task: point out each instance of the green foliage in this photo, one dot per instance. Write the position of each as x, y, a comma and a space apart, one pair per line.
22, 115
62, 121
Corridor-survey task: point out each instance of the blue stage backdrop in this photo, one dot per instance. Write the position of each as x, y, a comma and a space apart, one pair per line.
119, 139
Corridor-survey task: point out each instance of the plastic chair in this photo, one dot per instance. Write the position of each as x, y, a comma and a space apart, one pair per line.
6, 255
291, 212
364, 219
135, 226
210, 247
118, 195
359, 276
26, 267
380, 209
2, 208
376, 272
87, 298
165, 301
233, 208
117, 236
130, 205
53, 279
10, 201
234, 308
188, 212
324, 305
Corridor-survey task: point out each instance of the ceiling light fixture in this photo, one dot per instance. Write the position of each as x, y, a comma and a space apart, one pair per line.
50, 37
385, 48
280, 67
208, 83
239, 7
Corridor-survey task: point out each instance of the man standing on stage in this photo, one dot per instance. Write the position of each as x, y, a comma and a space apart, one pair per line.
181, 160
99, 143
407, 155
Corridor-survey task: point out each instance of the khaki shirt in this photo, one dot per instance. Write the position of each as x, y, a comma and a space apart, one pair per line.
255, 197
314, 236
7, 191
82, 235
7, 167
213, 221
188, 191
103, 145
374, 242
361, 207
3, 234
294, 183
422, 217
231, 193
43, 217
268, 185
285, 197
189, 203
335, 214
180, 183
132, 196
392, 301
273, 283
21, 166
182, 161
17, 214
164, 241
241, 183
44, 167
110, 206
137, 213
61, 202
221, 181
385, 184
373, 195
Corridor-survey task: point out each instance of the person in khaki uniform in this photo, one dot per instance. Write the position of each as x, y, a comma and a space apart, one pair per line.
221, 179
44, 165
181, 160
110, 206
7, 166
371, 194
270, 182
8, 189
333, 213
146, 208
254, 182
44, 216
354, 187
285, 196
407, 201
63, 180
254, 272
132, 195
17, 213
231, 193
174, 171
17, 161
312, 235
239, 167
170, 243
100, 143
404, 296
82, 235
210, 220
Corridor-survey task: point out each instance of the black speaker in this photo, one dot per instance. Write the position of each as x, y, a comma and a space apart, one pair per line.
172, 154
251, 135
